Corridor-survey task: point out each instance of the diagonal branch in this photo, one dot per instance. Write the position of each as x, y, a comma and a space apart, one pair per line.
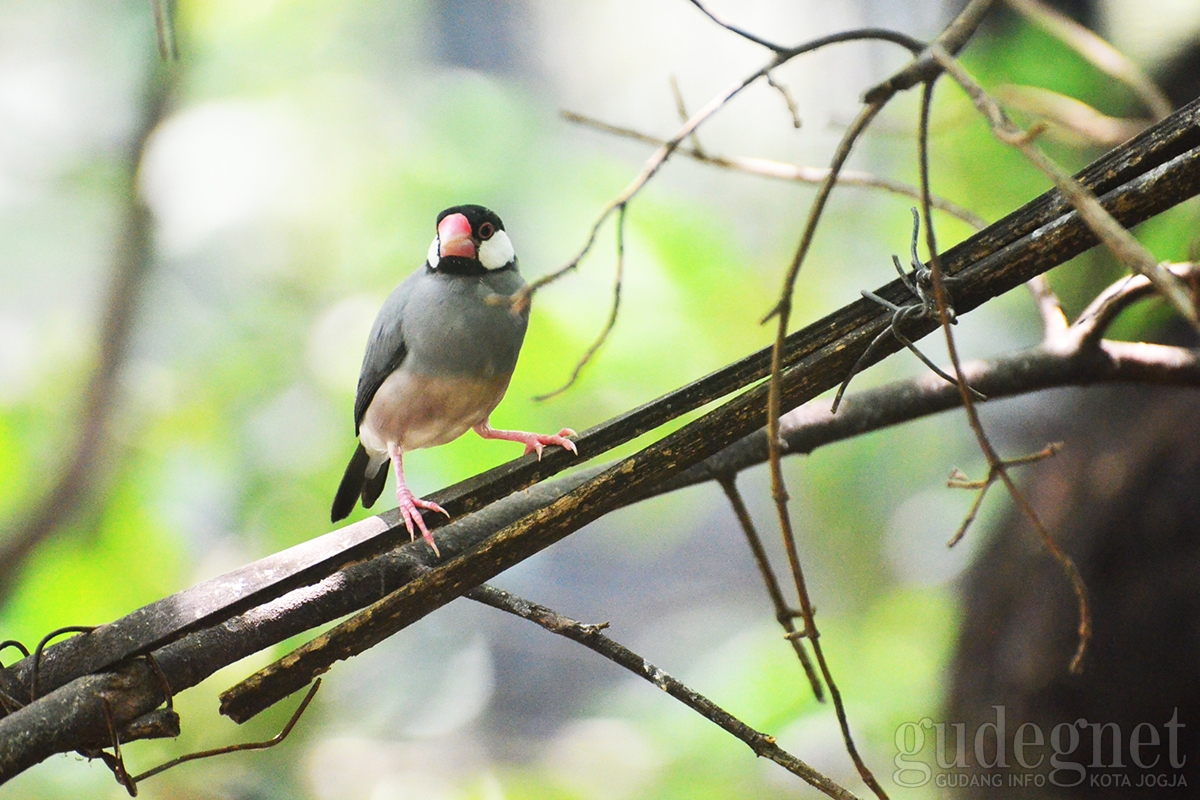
1140, 179
590, 636
47, 730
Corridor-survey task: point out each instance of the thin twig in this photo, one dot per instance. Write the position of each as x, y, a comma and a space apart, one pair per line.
237, 748
739, 31
520, 299
652, 165
1128, 250
782, 171
1054, 319
612, 314
164, 27
774, 408
590, 636
1097, 52
784, 614
958, 480
41, 645
954, 36
924, 68
995, 463
786, 93
116, 762
648, 171
1094, 320
14, 643
681, 109
1069, 119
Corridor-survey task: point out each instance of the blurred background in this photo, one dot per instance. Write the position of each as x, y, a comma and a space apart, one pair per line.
221, 284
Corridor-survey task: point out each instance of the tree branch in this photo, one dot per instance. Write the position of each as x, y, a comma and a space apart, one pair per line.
199, 630
589, 636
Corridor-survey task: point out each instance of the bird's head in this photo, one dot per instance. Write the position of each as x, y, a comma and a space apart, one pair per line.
470, 240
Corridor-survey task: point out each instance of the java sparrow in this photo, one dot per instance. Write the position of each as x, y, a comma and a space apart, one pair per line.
438, 361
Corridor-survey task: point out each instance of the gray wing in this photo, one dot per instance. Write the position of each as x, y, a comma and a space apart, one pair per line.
386, 349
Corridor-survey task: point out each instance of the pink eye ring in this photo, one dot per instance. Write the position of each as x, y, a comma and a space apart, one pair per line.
486, 231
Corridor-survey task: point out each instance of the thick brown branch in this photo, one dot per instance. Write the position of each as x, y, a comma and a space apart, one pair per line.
227, 626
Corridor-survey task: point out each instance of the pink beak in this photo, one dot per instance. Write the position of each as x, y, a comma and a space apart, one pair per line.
454, 237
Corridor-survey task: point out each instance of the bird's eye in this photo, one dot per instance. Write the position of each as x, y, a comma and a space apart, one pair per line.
486, 231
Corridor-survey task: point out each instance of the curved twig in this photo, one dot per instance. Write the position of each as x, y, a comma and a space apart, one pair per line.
236, 748
612, 314
783, 171
1097, 52
996, 465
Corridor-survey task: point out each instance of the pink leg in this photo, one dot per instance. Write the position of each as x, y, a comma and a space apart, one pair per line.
409, 505
534, 442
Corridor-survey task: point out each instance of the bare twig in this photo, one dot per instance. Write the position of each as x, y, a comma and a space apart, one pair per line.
774, 409
116, 762
612, 314
739, 31
924, 68
164, 26
681, 109
7, 643
1054, 319
41, 645
236, 748
649, 170
996, 465
653, 164
590, 636
1115, 237
1094, 320
784, 615
958, 480
1068, 119
783, 171
787, 98
1096, 51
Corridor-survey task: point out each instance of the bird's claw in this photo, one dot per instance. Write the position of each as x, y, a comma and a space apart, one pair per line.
410, 512
538, 441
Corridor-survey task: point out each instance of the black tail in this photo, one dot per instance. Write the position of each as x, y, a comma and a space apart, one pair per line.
374, 486
352, 485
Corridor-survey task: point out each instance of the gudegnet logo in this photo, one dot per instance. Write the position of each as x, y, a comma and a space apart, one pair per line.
1144, 756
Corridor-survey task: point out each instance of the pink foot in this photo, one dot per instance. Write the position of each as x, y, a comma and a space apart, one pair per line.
410, 506
534, 442
410, 511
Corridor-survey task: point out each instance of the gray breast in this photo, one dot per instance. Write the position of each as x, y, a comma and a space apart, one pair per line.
450, 328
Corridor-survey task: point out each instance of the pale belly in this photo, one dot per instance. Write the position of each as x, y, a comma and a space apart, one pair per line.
417, 411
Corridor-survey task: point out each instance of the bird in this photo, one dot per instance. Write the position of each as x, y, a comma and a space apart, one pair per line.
438, 361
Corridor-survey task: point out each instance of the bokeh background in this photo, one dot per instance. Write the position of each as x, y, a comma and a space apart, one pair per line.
300, 154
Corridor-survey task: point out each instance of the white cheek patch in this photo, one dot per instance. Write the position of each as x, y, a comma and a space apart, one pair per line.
433, 256
496, 252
